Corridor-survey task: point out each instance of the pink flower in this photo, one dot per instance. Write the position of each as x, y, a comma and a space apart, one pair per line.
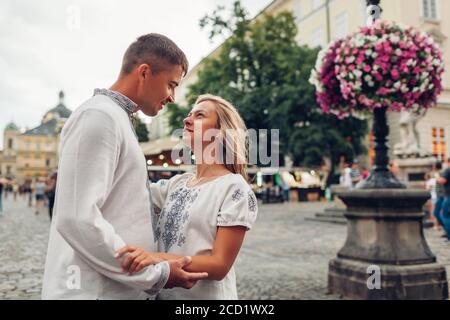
382, 91
395, 74
367, 68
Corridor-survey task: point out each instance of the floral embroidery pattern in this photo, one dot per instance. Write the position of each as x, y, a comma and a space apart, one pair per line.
175, 215
251, 202
237, 195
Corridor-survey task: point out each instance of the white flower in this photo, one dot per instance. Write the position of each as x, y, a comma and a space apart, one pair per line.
374, 55
398, 52
394, 39
402, 26
369, 52
404, 89
371, 84
368, 78
397, 85
357, 73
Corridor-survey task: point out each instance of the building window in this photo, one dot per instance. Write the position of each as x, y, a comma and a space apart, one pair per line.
429, 9
372, 148
341, 26
316, 4
10, 143
47, 162
439, 144
318, 38
8, 170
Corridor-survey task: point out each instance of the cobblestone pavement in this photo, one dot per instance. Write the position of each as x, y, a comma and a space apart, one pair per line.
283, 257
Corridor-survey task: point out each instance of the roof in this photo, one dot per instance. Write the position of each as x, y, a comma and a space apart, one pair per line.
61, 110
45, 129
160, 145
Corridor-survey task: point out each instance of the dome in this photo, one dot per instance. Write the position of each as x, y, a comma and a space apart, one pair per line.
11, 127
58, 112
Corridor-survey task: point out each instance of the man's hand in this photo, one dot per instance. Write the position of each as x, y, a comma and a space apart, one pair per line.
180, 278
137, 259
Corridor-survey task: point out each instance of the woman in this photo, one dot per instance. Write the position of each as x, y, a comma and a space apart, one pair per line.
206, 214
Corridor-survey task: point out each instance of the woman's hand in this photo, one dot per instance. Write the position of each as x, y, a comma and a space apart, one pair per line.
137, 259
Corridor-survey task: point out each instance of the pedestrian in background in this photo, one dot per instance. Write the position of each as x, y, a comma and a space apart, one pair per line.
440, 195
1, 196
15, 189
50, 192
346, 177
444, 180
28, 189
431, 184
40, 194
355, 173
365, 173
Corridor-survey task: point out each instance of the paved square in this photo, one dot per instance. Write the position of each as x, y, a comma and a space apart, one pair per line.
284, 255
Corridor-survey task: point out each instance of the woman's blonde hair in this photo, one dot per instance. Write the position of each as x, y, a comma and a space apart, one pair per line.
233, 133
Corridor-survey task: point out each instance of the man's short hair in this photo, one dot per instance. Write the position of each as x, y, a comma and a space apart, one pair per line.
158, 51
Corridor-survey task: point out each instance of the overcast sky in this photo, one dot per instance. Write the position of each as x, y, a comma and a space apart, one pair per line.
77, 45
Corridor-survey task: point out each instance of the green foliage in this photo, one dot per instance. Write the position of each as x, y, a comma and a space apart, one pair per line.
141, 130
264, 72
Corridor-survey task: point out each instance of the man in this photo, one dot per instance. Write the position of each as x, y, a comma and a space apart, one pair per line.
444, 180
102, 195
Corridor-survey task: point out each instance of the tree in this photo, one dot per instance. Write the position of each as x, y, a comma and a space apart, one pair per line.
264, 72
141, 130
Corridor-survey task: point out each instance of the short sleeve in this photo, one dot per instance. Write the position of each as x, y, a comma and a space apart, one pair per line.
239, 207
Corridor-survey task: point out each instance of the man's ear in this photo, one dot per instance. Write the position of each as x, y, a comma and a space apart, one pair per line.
144, 70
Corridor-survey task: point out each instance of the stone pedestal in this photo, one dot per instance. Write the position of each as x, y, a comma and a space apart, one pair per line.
413, 170
385, 230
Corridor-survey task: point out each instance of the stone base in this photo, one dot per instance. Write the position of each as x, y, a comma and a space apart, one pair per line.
413, 171
349, 278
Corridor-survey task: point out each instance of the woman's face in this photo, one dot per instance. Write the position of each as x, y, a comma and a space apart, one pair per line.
200, 124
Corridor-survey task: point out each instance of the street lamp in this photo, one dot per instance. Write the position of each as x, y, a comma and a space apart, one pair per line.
385, 231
